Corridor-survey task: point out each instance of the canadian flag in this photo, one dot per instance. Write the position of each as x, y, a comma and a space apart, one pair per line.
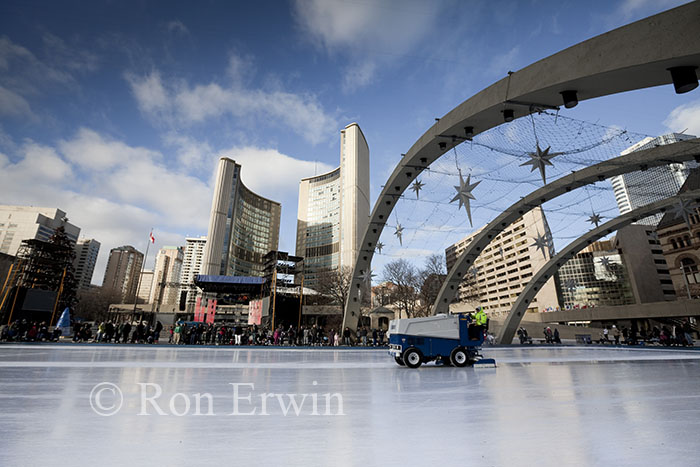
153, 239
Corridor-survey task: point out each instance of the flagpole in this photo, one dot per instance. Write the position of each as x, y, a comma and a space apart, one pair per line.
138, 283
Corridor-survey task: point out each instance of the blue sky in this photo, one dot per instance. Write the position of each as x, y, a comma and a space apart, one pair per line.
116, 112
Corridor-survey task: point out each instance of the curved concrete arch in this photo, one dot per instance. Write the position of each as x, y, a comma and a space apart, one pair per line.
518, 309
635, 56
677, 152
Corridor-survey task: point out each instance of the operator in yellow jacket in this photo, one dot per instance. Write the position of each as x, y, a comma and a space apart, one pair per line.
478, 325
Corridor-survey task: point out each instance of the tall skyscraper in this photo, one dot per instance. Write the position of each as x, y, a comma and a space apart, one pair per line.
637, 189
191, 266
166, 276
19, 223
86, 251
503, 269
334, 210
122, 273
243, 226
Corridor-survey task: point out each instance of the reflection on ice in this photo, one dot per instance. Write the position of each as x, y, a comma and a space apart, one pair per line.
552, 406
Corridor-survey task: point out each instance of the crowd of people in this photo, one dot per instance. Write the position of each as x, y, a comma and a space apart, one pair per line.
28, 331
188, 333
674, 336
183, 333
313, 336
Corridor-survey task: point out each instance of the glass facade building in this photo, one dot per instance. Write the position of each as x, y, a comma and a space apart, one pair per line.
636, 189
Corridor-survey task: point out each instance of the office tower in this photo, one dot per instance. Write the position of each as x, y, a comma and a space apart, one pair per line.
191, 266
86, 251
123, 271
19, 223
166, 276
145, 286
636, 189
243, 226
333, 209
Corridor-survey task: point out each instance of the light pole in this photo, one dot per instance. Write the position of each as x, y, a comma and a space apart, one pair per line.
685, 279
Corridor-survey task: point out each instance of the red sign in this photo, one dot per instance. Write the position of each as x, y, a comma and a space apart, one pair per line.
212, 312
255, 312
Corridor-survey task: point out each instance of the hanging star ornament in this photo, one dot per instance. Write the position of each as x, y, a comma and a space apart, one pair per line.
464, 194
474, 271
683, 209
399, 233
379, 247
367, 276
606, 263
417, 187
541, 243
539, 160
570, 284
595, 219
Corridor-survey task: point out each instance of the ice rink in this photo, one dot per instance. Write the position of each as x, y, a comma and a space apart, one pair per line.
149, 405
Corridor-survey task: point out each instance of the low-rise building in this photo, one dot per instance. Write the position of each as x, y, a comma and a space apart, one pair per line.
680, 242
504, 268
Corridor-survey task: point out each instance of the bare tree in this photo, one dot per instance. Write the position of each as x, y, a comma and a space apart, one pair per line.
334, 284
431, 278
93, 303
406, 279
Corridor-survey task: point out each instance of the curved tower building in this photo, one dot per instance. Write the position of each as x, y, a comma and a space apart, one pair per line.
334, 209
243, 226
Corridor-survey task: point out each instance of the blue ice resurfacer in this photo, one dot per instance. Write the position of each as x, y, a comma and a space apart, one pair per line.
442, 338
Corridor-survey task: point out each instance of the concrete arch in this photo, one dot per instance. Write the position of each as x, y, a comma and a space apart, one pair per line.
518, 309
661, 155
635, 56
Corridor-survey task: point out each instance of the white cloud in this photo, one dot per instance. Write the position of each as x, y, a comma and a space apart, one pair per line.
116, 192
60, 54
358, 76
501, 64
91, 151
629, 8
179, 104
177, 27
363, 30
14, 105
685, 117
150, 94
272, 174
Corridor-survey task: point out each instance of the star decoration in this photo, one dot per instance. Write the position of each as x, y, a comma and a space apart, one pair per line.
539, 160
684, 210
541, 243
399, 233
464, 194
570, 284
417, 186
474, 271
595, 219
607, 264
367, 276
379, 247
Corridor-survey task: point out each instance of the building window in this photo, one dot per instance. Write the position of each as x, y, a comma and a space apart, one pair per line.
690, 271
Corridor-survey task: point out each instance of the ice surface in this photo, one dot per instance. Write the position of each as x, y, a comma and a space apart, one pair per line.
541, 406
